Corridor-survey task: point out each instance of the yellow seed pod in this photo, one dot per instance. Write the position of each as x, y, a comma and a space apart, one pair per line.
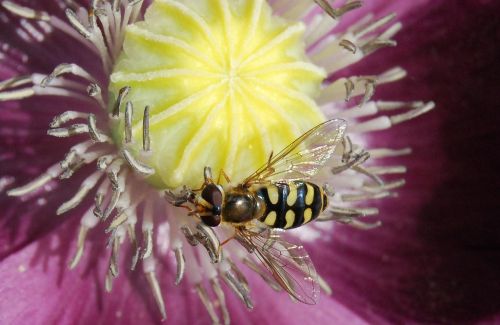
227, 83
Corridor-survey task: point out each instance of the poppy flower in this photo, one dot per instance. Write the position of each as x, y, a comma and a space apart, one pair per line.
178, 60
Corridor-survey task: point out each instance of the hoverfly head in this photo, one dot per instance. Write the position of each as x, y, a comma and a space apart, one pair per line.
213, 195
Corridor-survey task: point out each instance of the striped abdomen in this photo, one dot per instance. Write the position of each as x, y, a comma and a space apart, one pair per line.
291, 204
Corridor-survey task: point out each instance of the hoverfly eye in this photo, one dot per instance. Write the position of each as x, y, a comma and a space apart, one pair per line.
212, 194
211, 220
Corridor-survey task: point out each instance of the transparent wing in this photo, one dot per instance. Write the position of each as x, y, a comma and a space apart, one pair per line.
303, 158
289, 264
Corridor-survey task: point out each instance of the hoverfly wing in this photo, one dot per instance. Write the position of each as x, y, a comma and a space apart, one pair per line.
289, 264
315, 147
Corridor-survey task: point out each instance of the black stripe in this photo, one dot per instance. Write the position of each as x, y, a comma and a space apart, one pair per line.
316, 203
300, 204
281, 207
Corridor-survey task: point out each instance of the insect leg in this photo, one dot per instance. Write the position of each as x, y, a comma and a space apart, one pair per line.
223, 173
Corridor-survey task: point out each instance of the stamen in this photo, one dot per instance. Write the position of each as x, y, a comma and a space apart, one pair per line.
94, 91
120, 218
340, 213
139, 167
348, 45
181, 265
129, 112
146, 140
396, 119
263, 274
236, 270
365, 197
88, 222
385, 152
25, 12
149, 270
221, 299
51, 173
148, 239
337, 13
356, 223
86, 186
74, 129
121, 96
190, 237
67, 68
77, 25
207, 237
66, 117
113, 260
237, 288
132, 220
104, 161
94, 132
387, 170
205, 299
385, 187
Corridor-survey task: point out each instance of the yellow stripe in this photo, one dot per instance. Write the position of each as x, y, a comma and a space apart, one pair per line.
310, 194
270, 218
290, 218
292, 195
272, 193
307, 215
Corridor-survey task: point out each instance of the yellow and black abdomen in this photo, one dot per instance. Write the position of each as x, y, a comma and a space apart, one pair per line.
291, 204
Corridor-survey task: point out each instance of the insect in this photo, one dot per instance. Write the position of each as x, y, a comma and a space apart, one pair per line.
278, 195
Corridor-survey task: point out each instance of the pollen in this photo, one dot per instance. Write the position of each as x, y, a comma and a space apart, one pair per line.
226, 82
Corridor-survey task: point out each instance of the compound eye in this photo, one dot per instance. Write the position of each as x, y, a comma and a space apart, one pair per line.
212, 194
211, 220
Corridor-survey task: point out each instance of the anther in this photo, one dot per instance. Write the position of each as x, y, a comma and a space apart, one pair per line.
82, 235
237, 288
205, 299
396, 119
66, 68
149, 269
148, 240
25, 12
75, 22
348, 45
74, 129
146, 140
190, 237
135, 246
122, 93
337, 13
37, 183
94, 132
65, 117
94, 91
181, 265
139, 167
129, 112
349, 88
238, 273
207, 237
104, 161
120, 218
86, 186
221, 299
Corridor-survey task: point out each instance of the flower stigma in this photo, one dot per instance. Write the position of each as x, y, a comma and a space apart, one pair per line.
225, 84
187, 84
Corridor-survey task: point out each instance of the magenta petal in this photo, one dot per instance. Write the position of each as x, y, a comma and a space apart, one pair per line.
436, 259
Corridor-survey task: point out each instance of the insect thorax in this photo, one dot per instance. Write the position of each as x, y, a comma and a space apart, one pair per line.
241, 206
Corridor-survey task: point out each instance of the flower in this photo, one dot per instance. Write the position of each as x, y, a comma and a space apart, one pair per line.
361, 236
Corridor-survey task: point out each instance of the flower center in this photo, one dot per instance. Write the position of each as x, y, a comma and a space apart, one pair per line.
226, 83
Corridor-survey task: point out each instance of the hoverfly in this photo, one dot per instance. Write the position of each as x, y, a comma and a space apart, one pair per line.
275, 196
